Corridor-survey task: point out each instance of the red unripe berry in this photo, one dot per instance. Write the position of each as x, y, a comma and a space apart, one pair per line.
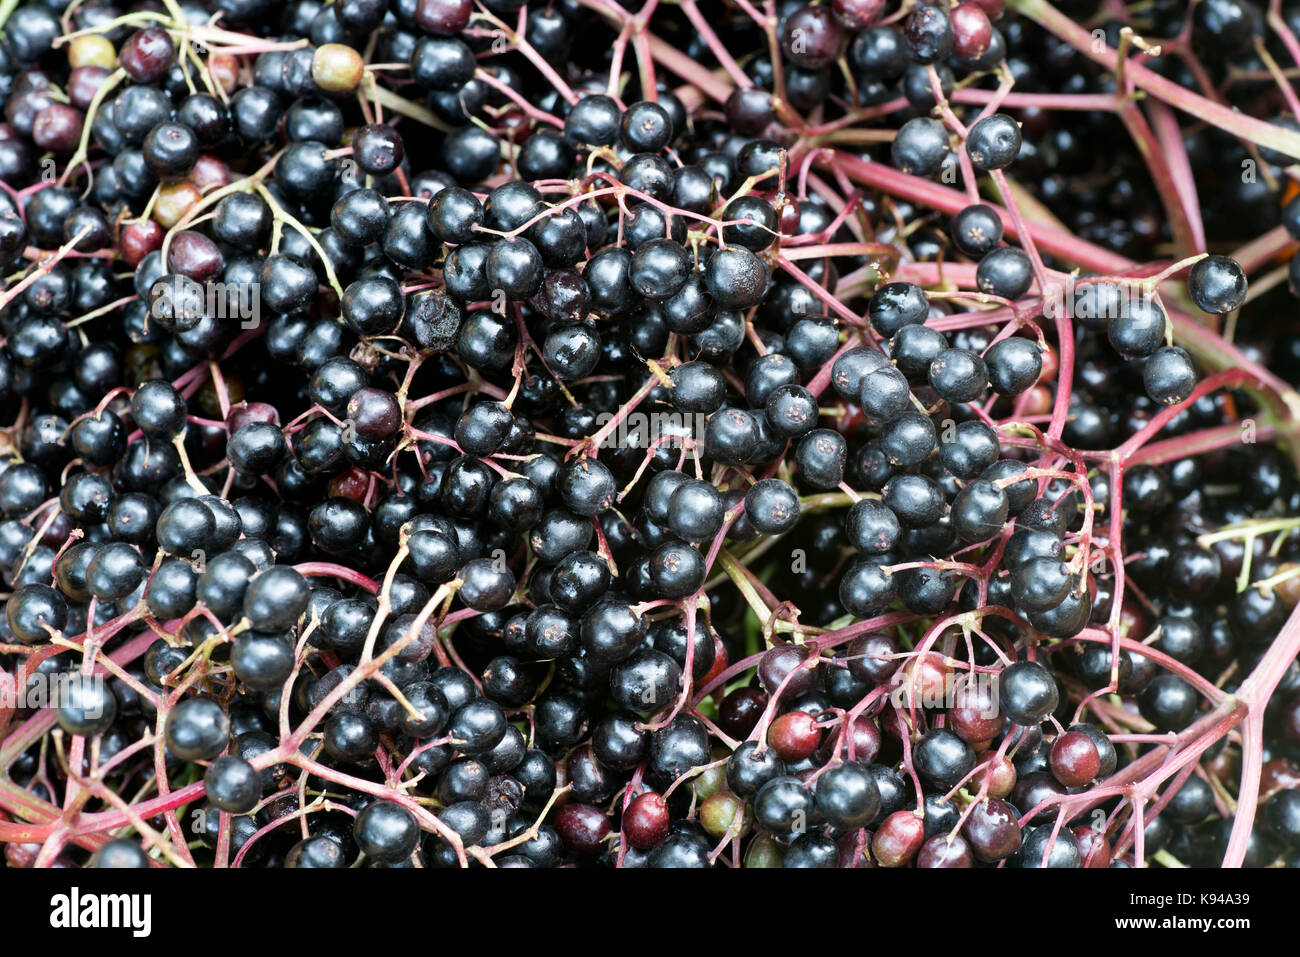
1074, 759
974, 716
865, 738
898, 839
858, 14
353, 484
946, 853
1000, 773
194, 255
646, 820
794, 736
971, 31
788, 221
147, 54
992, 830
83, 83
925, 681
209, 173
993, 8
57, 128
374, 413
245, 413
1093, 846
720, 661
582, 828
812, 37
444, 18
139, 239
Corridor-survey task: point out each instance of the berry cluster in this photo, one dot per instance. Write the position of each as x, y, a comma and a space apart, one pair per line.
450, 433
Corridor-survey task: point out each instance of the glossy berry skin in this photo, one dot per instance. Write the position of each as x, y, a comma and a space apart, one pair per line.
866, 589
1027, 692
115, 572
942, 758
976, 230
821, 455
184, 526
749, 110
782, 805
916, 500
992, 830
697, 387
979, 511
1217, 284
646, 127
749, 769
791, 410
1168, 702
1074, 759
872, 527
895, 305
677, 570
1041, 850
646, 820
898, 839
1169, 375
920, 147
85, 705
198, 729
486, 586
972, 449
847, 796
659, 268
645, 681
256, 448
262, 661
1139, 329
771, 506
914, 347
1006, 272
233, 784
121, 853
315, 852
515, 267
611, 631
929, 35
386, 832
146, 54
794, 735
736, 278
276, 598
158, 410
812, 37
454, 215
170, 150
994, 142
972, 32
378, 149
1014, 365
958, 375
593, 121
941, 852
695, 511
909, 439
